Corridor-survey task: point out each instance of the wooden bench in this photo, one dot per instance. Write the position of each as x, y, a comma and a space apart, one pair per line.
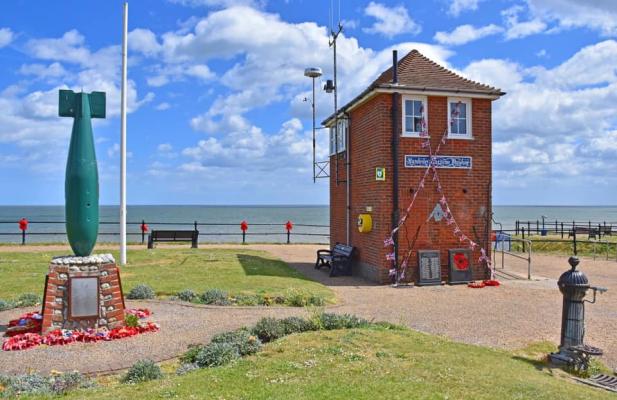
173, 236
591, 233
339, 259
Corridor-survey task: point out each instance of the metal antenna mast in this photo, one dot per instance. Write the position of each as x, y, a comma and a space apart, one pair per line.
332, 44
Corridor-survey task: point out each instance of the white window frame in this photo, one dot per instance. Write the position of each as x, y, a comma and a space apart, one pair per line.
339, 143
467, 102
424, 101
342, 132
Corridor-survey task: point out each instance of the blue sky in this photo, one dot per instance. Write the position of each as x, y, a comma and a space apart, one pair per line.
216, 92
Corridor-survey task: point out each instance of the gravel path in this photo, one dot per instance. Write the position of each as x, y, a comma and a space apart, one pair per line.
511, 316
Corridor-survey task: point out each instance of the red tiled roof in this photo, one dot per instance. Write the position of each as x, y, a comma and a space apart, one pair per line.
418, 71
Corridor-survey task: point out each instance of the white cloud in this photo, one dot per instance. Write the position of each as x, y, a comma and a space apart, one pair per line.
458, 6
495, 72
164, 74
163, 106
554, 123
390, 21
268, 58
600, 15
53, 70
143, 41
465, 34
6, 37
164, 147
516, 29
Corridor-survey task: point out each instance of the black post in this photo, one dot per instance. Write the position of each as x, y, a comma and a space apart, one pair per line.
195, 225
574, 240
537, 227
516, 228
143, 233
528, 228
556, 229
599, 231
523, 233
562, 230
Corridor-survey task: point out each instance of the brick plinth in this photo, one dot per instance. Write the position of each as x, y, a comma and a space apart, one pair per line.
56, 306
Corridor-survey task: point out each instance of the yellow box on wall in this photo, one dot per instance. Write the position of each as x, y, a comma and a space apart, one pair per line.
365, 223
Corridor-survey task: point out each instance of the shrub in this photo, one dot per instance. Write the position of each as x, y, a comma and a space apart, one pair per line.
248, 300
141, 292
25, 384
330, 321
297, 298
69, 381
187, 295
142, 371
268, 329
216, 297
191, 354
216, 354
28, 300
315, 300
6, 305
131, 320
244, 341
297, 325
41, 385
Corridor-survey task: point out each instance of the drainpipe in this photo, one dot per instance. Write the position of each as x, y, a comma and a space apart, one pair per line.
395, 137
348, 178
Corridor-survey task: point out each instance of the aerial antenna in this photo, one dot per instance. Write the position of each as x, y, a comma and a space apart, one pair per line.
332, 43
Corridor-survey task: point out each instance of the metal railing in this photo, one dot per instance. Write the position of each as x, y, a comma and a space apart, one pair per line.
527, 248
206, 229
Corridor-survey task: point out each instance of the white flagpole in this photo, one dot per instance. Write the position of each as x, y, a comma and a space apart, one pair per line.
123, 138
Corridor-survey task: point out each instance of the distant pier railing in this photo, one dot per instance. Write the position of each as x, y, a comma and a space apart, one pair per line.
589, 237
288, 231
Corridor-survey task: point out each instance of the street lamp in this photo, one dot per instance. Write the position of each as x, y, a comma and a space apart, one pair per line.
313, 73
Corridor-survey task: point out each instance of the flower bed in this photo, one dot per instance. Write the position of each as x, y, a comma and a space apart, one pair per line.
59, 337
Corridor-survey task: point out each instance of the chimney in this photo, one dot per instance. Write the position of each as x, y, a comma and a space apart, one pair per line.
394, 66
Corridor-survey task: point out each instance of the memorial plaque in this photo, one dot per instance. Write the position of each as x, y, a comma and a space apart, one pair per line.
429, 267
459, 266
84, 298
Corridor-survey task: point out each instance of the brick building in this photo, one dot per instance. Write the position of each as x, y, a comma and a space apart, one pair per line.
380, 134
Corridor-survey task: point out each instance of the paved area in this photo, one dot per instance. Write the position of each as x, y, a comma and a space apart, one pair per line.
510, 316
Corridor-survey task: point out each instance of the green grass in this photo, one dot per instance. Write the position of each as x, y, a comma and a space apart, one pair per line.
374, 363
553, 244
171, 270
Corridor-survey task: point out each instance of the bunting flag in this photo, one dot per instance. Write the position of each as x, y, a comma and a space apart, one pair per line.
399, 273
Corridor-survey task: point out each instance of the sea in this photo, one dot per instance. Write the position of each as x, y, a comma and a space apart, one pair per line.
221, 224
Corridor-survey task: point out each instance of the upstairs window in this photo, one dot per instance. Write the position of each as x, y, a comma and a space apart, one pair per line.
338, 139
415, 116
459, 118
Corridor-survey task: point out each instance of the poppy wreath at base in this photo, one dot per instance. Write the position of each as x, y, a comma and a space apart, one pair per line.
61, 337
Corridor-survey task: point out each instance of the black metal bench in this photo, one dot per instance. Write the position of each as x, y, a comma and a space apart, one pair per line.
173, 236
339, 259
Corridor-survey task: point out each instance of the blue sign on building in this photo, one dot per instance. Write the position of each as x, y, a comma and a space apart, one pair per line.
457, 162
